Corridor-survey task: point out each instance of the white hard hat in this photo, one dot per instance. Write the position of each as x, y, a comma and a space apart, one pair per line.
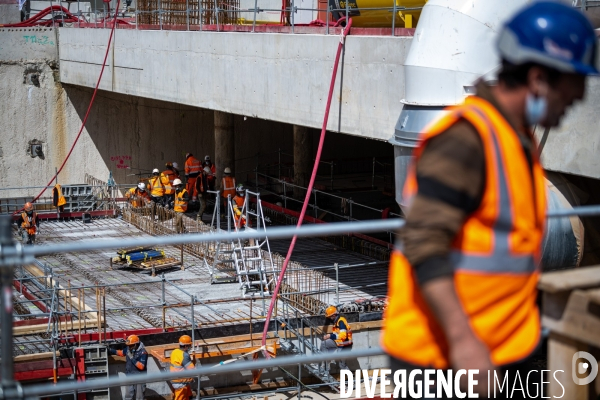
206, 158
155, 171
177, 182
207, 170
175, 165
227, 170
142, 186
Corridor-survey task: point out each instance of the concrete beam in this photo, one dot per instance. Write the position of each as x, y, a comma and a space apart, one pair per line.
280, 77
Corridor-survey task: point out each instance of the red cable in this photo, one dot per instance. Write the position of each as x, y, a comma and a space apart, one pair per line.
35, 20
112, 30
310, 185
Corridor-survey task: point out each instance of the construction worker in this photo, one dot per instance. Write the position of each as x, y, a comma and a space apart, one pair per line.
158, 185
28, 223
340, 338
136, 360
238, 204
211, 176
176, 169
193, 168
138, 196
462, 293
227, 186
180, 204
171, 175
182, 360
201, 190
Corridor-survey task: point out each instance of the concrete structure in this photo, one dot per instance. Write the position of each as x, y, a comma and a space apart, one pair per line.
9, 12
270, 76
303, 157
224, 143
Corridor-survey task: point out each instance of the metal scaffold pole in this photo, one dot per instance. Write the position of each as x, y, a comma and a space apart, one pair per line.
6, 304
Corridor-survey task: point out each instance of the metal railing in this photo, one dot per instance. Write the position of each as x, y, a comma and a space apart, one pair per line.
210, 15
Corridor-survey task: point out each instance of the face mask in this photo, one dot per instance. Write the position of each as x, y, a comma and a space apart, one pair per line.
535, 109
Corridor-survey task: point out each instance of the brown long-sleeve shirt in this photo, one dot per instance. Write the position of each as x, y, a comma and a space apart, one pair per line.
451, 181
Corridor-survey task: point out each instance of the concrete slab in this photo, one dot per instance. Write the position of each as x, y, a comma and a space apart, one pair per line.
280, 77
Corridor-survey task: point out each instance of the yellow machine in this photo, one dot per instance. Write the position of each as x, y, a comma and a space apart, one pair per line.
362, 12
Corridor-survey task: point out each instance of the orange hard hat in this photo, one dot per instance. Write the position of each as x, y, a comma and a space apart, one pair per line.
28, 206
185, 340
132, 339
331, 310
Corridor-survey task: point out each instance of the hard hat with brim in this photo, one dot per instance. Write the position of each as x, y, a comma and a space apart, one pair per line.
550, 34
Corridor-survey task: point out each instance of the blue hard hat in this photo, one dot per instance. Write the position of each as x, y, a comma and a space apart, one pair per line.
551, 34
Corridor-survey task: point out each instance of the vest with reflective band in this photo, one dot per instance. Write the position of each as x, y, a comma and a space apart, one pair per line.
228, 186
137, 198
180, 203
180, 360
343, 337
193, 166
58, 199
495, 254
171, 176
29, 223
213, 170
158, 185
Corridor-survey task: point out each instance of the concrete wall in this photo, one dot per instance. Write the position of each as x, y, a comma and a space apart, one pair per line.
271, 76
124, 134
574, 146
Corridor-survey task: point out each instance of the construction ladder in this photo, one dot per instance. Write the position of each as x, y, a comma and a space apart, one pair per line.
249, 262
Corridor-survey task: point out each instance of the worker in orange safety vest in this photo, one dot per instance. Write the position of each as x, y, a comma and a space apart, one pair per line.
28, 224
237, 204
227, 187
340, 338
136, 361
158, 185
193, 168
211, 176
138, 196
171, 175
182, 360
180, 204
462, 291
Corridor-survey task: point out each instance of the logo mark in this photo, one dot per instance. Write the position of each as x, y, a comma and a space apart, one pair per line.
578, 367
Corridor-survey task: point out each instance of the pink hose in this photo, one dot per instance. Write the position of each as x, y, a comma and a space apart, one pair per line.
310, 186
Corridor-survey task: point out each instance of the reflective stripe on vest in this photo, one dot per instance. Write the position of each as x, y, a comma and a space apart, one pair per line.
180, 203
494, 254
157, 186
192, 166
228, 186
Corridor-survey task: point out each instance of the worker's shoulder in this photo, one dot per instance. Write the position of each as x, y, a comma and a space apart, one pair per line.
459, 134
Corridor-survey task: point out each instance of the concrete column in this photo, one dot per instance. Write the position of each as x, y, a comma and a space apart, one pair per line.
224, 144
303, 158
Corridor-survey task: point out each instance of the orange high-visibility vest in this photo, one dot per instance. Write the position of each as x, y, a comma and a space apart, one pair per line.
228, 183
158, 185
180, 203
343, 336
29, 224
495, 254
193, 166
171, 176
137, 198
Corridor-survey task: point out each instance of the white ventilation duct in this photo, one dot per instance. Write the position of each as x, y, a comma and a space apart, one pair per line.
454, 44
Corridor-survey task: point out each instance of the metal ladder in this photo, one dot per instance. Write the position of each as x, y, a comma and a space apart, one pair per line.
253, 259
